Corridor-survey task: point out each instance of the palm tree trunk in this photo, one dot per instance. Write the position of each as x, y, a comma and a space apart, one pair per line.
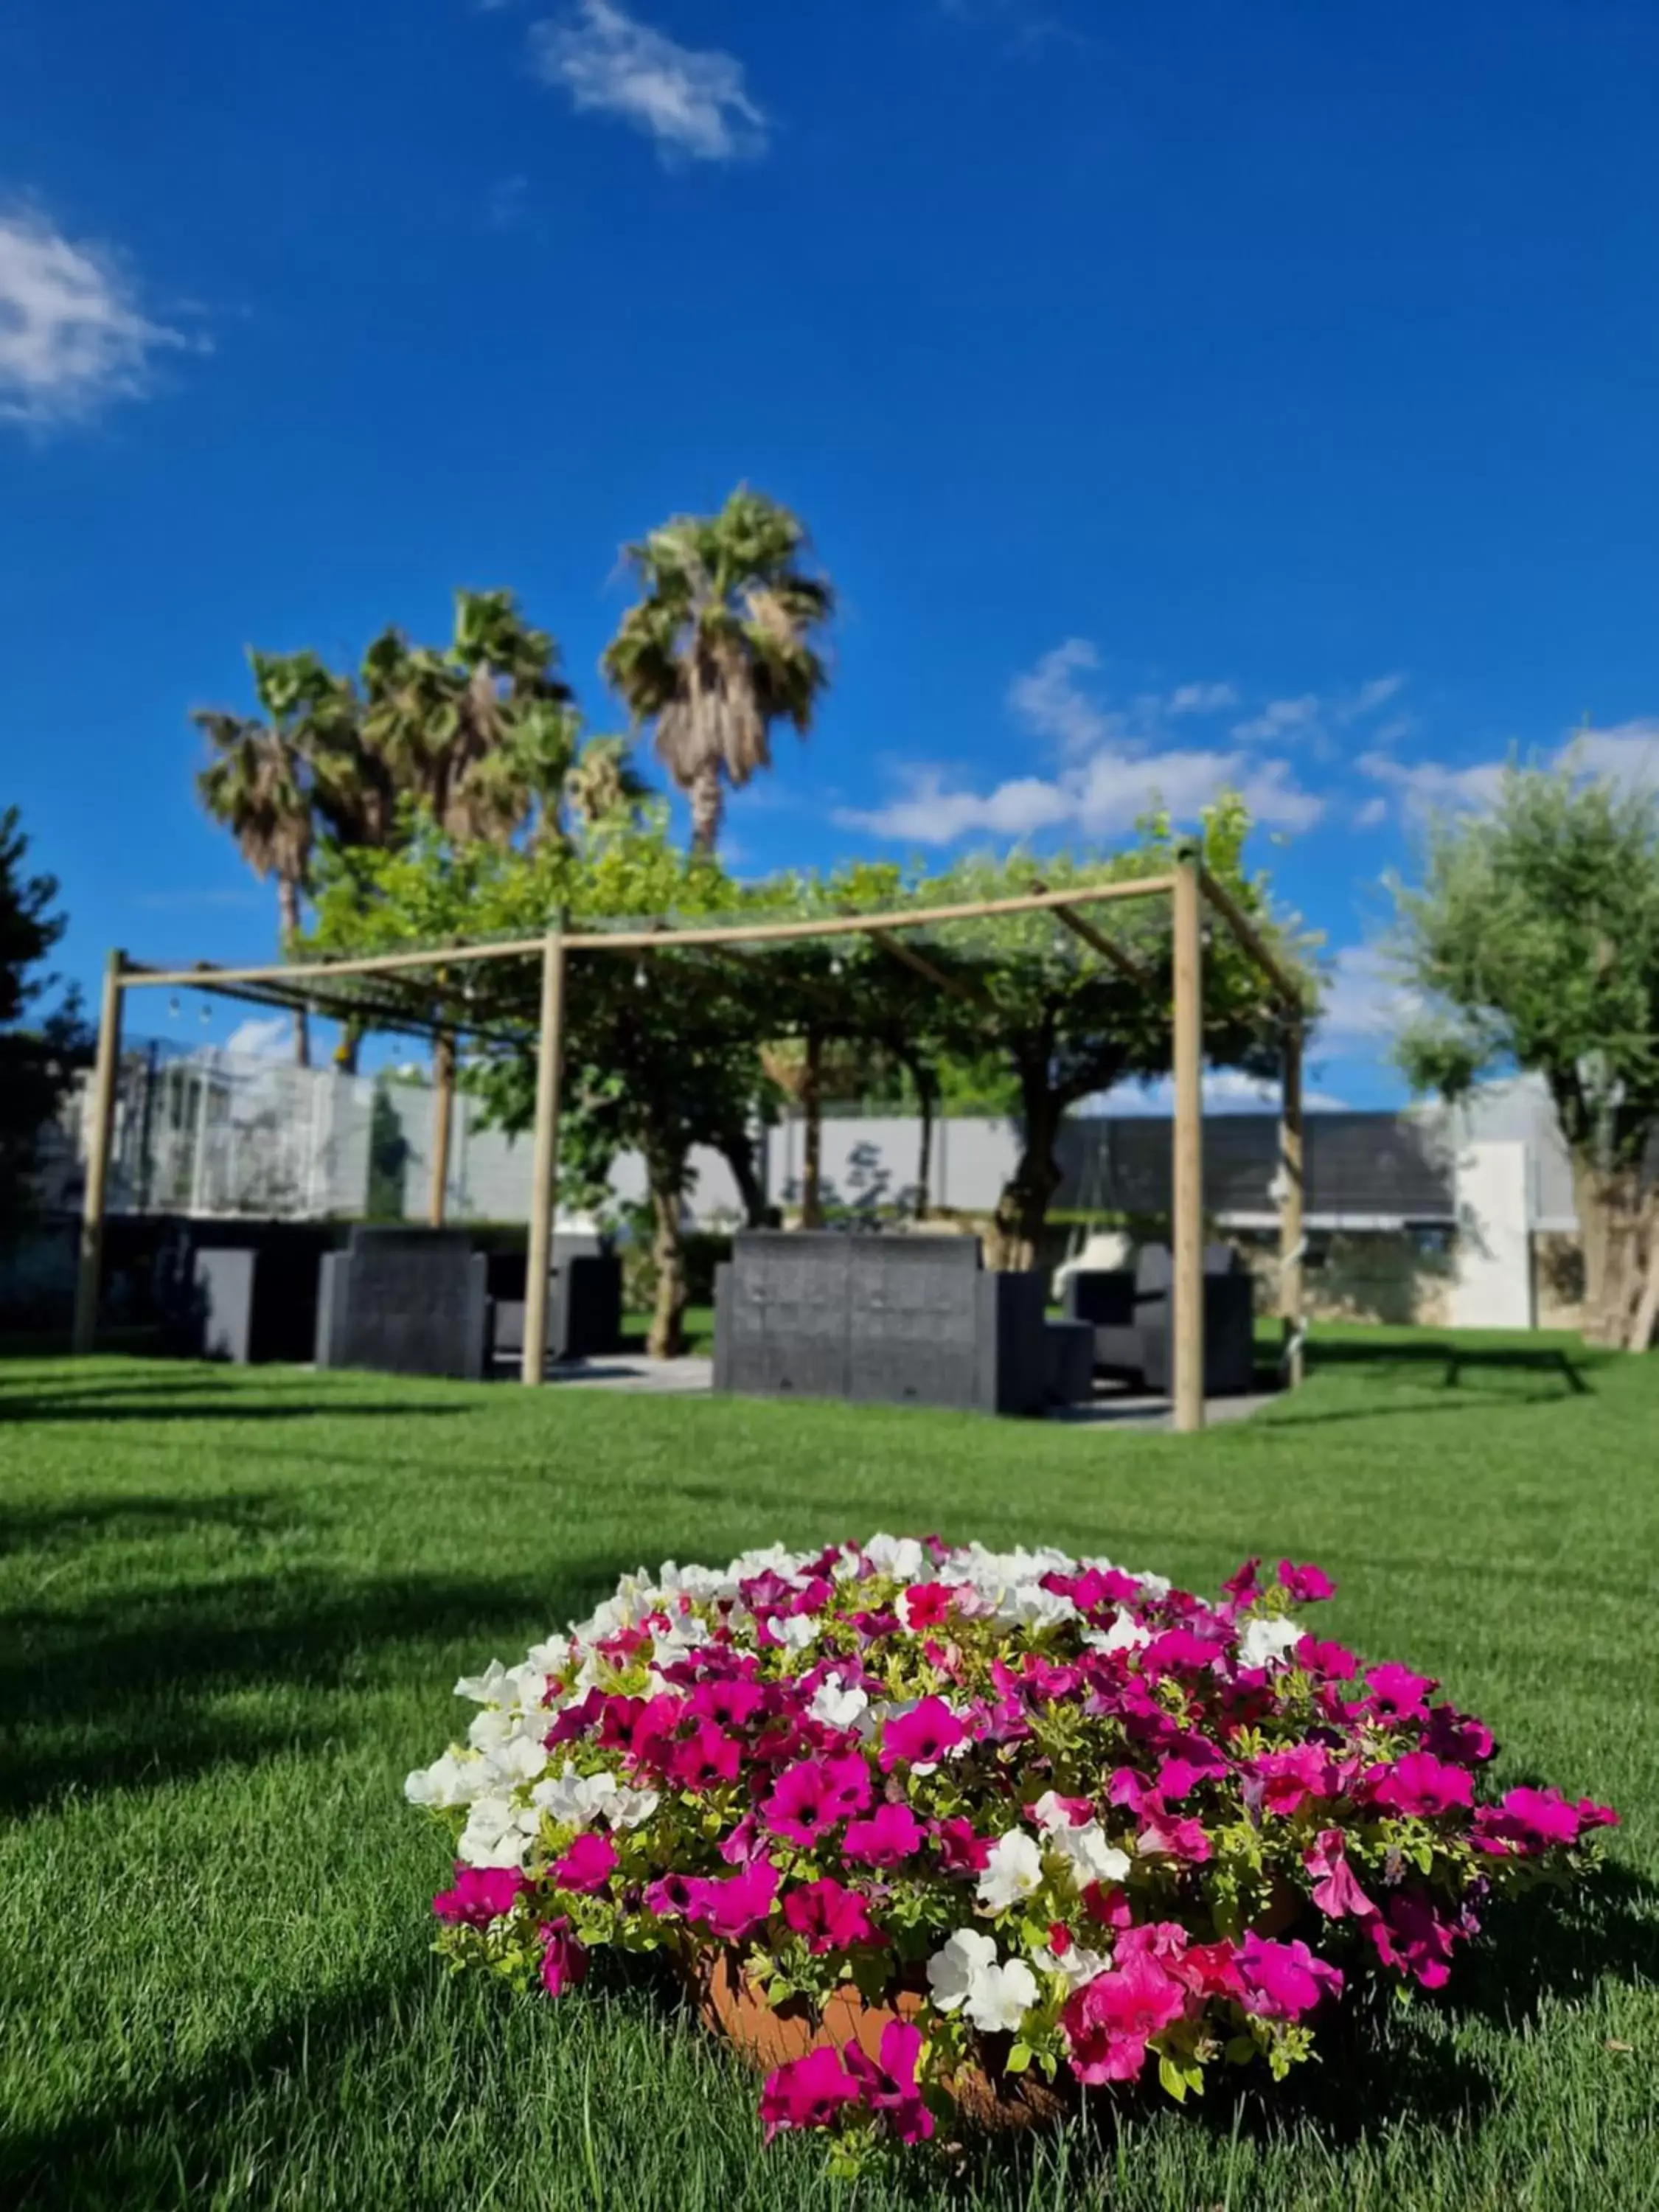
288, 903
708, 804
811, 1103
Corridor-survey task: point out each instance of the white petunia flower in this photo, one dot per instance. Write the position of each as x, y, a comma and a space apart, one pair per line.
999, 1997
1089, 1857
797, 1633
1125, 1634
1267, 1643
550, 1655
573, 1800
497, 1833
836, 1705
952, 1969
628, 1809
1012, 1871
1077, 1965
454, 1779
901, 1557
493, 1687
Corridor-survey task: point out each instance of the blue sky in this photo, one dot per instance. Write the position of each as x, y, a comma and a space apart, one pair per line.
1177, 394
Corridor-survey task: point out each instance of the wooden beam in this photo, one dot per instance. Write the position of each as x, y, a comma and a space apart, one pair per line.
100, 1124
1291, 1230
1252, 941
644, 940
1125, 962
953, 985
1187, 1318
544, 1166
443, 1115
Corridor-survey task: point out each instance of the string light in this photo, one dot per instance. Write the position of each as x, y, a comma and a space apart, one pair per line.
173, 1008
837, 965
639, 976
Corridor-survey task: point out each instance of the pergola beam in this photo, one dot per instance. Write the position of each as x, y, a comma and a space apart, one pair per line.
1252, 940
1125, 962
952, 985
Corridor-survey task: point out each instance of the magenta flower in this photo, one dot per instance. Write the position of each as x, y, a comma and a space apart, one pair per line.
1179, 1652
1410, 1937
1457, 1736
1306, 1585
847, 1779
925, 1605
1336, 1893
1244, 1587
1125, 1787
705, 1761
1421, 1784
1289, 1777
1332, 1660
1166, 1831
807, 2092
735, 1905
1397, 1694
802, 1806
1533, 1819
889, 1836
481, 1895
1284, 1980
922, 1736
729, 1704
888, 2083
587, 1865
831, 1917
564, 1961
675, 1897
960, 1850
1110, 2019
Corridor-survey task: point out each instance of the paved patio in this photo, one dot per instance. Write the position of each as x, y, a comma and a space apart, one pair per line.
694, 1377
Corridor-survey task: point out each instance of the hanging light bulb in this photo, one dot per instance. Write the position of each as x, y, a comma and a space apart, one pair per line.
837, 965
173, 1008
639, 976
207, 1016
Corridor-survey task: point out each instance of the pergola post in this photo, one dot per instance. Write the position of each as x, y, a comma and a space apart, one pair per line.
1292, 1240
1187, 1319
443, 1115
545, 1169
101, 1123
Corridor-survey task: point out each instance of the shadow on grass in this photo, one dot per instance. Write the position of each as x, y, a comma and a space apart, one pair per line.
132, 1690
229, 1406
252, 1512
1461, 1365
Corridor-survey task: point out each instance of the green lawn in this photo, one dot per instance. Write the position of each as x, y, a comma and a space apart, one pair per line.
232, 1607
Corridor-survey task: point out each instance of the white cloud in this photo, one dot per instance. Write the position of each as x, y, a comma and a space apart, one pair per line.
1201, 698
1370, 697
694, 104
1114, 766
1627, 754
1280, 718
270, 1036
1226, 1090
72, 334
1052, 704
1363, 997
1371, 814
505, 203
1098, 798
1422, 784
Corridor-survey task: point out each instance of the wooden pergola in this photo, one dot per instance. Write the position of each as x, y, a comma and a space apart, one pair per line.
376, 991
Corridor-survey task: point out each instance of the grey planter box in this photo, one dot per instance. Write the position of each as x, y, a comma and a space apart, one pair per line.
584, 1312
880, 1320
403, 1302
1129, 1314
1069, 1352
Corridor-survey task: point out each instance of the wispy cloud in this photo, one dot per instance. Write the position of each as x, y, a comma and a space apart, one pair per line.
504, 205
694, 104
1226, 1090
1419, 784
1114, 764
1364, 1000
74, 336
263, 1037
1314, 717
1627, 754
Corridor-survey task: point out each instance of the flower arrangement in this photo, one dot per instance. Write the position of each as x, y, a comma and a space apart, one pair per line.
1017, 1817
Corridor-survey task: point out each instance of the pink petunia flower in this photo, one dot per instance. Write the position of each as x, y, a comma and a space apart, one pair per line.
1110, 2019
564, 1960
1306, 1585
1421, 1784
831, 1917
1411, 1937
735, 1905
1396, 1694
1335, 1661
481, 1895
1289, 1777
802, 1805
1164, 1832
730, 1703
1534, 1820
888, 2083
847, 1780
1457, 1736
587, 1865
1179, 1652
924, 1605
891, 1835
960, 1850
706, 1759
1336, 1893
1283, 1981
807, 2092
922, 1736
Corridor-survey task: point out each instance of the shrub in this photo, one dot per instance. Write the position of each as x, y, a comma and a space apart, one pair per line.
1050, 1815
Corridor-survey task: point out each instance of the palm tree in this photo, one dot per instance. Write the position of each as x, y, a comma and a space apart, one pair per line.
482, 733
720, 647
267, 779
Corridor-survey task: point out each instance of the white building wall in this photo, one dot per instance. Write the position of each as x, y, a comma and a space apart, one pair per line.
1492, 1286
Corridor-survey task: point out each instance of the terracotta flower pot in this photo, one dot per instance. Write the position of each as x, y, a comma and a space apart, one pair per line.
729, 2004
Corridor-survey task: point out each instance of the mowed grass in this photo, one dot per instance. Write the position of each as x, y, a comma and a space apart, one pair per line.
232, 1607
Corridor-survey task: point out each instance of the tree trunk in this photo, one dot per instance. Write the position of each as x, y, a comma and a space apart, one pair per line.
708, 804
666, 1339
811, 1104
288, 902
736, 1147
1023, 1208
345, 1053
925, 1097
1619, 1229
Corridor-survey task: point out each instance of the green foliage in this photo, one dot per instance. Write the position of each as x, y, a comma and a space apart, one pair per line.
1533, 941
388, 1159
39, 1051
